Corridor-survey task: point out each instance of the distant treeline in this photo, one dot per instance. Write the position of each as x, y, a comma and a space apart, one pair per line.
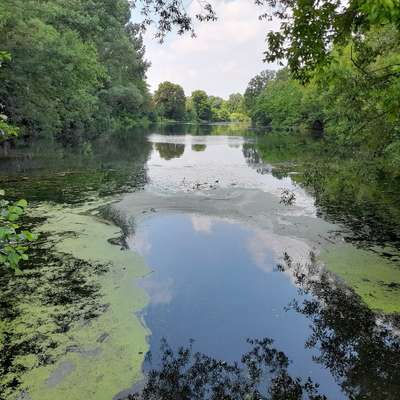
170, 103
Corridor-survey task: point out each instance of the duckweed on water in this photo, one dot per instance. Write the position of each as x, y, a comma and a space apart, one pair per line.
73, 332
373, 277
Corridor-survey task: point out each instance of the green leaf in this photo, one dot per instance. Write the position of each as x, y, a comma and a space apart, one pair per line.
29, 235
13, 241
22, 203
3, 233
13, 217
15, 210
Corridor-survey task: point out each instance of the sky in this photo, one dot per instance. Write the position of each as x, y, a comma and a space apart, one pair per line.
223, 57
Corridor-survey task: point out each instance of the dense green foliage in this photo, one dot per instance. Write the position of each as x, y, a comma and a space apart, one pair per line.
76, 67
216, 109
278, 104
13, 240
352, 101
170, 101
7, 131
309, 28
347, 55
201, 105
256, 86
219, 109
170, 104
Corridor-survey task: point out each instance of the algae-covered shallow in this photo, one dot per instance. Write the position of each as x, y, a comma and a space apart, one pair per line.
375, 278
178, 231
75, 332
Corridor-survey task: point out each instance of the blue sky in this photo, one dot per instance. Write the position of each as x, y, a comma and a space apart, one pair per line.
223, 57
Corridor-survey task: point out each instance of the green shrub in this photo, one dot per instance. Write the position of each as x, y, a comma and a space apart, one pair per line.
13, 239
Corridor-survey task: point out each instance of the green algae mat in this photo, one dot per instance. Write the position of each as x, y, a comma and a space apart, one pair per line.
77, 333
374, 278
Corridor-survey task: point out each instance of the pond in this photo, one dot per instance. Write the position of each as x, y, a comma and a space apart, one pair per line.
201, 237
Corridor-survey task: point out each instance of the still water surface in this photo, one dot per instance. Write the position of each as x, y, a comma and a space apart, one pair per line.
204, 210
210, 284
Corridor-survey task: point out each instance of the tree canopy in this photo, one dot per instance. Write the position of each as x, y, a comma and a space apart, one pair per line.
170, 101
72, 64
201, 105
256, 86
309, 28
353, 100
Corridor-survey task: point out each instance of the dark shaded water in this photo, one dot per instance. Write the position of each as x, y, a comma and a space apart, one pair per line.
215, 277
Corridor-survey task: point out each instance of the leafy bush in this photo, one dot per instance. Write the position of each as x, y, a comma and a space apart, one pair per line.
7, 131
13, 240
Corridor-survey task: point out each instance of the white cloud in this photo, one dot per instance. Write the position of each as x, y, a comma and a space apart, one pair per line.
202, 223
223, 57
161, 292
140, 243
266, 247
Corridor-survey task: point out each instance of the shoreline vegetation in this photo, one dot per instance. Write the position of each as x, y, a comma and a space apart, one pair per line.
342, 98
77, 72
74, 72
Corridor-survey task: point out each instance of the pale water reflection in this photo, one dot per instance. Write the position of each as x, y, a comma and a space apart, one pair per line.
189, 163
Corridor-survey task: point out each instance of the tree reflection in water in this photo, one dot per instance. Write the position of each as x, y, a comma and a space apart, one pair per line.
199, 147
359, 347
168, 151
263, 374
